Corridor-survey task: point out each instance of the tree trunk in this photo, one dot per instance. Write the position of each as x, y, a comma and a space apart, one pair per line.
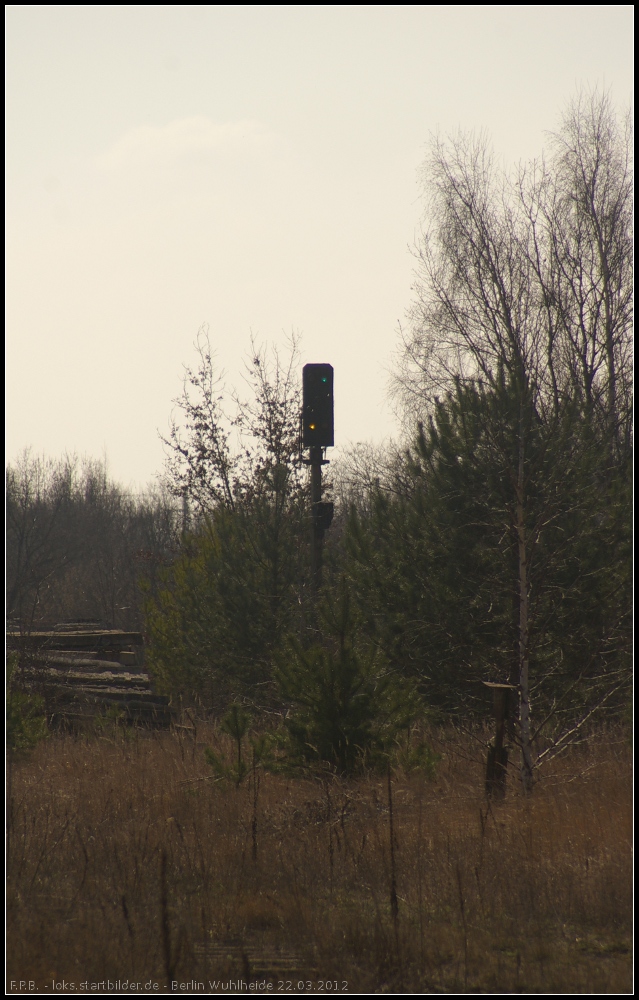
524, 689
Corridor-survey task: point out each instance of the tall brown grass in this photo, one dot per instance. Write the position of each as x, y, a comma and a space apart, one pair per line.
128, 861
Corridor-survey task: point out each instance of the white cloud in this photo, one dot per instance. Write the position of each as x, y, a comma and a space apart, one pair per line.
182, 138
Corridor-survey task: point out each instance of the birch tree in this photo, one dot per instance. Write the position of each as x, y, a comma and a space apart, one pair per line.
523, 295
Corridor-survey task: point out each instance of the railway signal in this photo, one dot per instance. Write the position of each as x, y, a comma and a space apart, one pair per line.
317, 406
317, 435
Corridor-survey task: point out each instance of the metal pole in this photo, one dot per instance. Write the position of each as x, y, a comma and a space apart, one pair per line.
317, 532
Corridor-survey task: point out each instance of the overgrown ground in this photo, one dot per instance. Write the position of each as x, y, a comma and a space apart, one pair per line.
128, 863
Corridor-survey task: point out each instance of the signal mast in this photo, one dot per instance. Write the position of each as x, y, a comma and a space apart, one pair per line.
317, 434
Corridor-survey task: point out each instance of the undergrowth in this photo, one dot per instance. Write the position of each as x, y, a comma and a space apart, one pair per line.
132, 858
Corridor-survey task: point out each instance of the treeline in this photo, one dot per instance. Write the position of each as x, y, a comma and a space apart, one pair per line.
495, 545
78, 544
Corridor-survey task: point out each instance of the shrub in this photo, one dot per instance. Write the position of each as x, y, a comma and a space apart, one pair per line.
26, 719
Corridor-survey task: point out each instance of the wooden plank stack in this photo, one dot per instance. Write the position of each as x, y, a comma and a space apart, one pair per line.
83, 671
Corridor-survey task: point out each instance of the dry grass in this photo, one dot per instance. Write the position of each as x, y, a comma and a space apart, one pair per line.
124, 866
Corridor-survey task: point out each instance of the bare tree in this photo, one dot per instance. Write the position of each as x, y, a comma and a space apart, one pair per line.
200, 465
217, 459
588, 222
40, 545
78, 543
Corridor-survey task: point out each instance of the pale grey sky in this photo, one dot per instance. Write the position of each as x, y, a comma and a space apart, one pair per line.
254, 168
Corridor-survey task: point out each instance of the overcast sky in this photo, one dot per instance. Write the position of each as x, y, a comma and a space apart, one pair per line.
253, 168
